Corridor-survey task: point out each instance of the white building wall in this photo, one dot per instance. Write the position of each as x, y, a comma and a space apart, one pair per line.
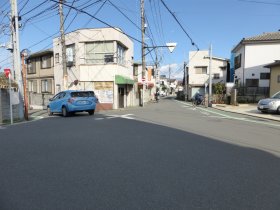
94, 72
254, 57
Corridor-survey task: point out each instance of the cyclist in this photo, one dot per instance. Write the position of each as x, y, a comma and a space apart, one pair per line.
197, 99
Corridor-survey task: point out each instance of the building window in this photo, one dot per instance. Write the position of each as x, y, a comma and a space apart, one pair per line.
201, 69
121, 54
70, 55
46, 62
46, 86
31, 66
99, 52
32, 86
237, 61
56, 57
265, 76
252, 82
135, 70
223, 68
216, 76
278, 78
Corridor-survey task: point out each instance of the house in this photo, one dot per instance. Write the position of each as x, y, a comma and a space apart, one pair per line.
197, 79
149, 80
251, 55
99, 59
40, 78
274, 86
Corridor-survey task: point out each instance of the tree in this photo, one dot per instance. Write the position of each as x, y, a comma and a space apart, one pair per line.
5, 81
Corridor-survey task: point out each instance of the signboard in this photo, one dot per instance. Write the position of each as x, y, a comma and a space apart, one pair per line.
7, 72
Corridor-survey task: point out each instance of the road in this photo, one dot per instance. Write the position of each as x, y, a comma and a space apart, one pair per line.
165, 155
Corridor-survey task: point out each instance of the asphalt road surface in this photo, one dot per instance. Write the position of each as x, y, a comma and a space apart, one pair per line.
165, 155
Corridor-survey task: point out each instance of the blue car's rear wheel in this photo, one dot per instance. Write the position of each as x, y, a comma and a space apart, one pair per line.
91, 112
65, 113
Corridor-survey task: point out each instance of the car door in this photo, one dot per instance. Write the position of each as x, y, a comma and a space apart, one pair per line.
55, 104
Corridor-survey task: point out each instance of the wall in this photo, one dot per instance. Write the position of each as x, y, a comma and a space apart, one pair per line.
254, 57
274, 84
5, 107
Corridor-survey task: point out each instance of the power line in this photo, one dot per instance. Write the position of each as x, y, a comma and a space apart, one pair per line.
39, 5
179, 24
260, 2
107, 24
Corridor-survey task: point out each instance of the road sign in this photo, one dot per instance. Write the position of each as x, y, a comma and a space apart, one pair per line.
143, 79
7, 72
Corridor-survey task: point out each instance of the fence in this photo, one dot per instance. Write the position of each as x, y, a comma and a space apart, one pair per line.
38, 100
251, 94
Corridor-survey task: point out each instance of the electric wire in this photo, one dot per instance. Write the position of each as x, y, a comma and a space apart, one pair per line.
192, 42
101, 21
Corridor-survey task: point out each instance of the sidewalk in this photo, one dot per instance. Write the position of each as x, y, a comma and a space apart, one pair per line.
247, 109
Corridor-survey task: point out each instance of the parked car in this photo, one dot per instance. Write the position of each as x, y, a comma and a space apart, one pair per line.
71, 101
270, 104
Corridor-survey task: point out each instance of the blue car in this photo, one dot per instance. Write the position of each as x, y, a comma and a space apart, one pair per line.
71, 101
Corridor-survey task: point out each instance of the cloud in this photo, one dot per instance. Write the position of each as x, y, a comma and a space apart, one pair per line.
176, 72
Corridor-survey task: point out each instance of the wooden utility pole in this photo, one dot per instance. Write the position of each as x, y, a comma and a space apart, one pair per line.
143, 51
23, 56
63, 47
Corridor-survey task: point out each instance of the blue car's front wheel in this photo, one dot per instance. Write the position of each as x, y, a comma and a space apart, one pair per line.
50, 113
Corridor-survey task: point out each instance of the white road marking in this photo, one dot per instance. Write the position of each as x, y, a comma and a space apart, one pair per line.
124, 116
225, 116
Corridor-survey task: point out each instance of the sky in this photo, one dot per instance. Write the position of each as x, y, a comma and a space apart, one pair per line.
220, 23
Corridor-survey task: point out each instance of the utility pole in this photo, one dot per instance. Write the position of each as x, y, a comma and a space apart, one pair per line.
210, 75
169, 69
16, 53
143, 51
186, 82
63, 48
24, 54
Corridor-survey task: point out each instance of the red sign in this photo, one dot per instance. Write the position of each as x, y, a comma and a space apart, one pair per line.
7, 72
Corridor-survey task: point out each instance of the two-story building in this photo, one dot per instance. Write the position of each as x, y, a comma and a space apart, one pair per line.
198, 72
99, 59
251, 55
40, 78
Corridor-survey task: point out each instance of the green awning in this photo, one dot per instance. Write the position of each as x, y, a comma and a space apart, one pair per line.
121, 80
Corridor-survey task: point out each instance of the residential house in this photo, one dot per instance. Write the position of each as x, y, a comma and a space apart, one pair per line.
274, 86
197, 80
99, 59
251, 55
149, 81
40, 78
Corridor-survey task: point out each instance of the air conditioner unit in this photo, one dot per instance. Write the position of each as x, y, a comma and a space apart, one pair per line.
108, 59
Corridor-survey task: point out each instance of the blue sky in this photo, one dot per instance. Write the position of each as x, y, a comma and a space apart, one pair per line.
222, 23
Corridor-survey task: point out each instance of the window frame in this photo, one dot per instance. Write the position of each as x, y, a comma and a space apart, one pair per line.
93, 56
264, 75
48, 60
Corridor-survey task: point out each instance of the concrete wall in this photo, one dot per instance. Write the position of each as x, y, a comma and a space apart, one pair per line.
5, 107
38, 100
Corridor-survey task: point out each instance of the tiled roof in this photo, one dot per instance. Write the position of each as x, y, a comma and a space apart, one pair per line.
265, 37
269, 37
